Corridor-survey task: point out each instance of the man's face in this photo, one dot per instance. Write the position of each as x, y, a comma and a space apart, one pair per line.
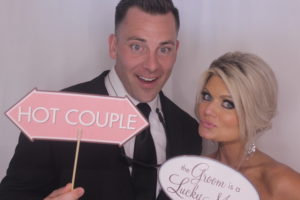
145, 48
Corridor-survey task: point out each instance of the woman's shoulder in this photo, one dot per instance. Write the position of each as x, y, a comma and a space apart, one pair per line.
283, 182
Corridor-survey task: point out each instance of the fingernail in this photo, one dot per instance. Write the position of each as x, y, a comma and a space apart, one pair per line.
79, 191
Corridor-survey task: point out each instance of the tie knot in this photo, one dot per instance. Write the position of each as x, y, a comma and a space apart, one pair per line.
145, 109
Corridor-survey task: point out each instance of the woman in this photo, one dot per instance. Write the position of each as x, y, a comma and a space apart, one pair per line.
236, 102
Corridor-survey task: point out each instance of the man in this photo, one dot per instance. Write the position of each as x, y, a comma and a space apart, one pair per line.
145, 48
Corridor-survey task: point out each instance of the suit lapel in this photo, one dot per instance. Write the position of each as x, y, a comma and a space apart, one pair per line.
173, 129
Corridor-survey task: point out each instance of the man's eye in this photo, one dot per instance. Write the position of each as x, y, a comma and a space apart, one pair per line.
136, 47
228, 104
165, 50
206, 96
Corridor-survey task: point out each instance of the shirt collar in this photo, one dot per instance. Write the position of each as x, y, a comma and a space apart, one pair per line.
115, 87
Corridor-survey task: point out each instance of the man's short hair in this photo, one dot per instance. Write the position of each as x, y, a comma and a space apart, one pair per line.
148, 6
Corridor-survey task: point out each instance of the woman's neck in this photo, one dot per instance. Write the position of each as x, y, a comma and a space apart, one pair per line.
231, 154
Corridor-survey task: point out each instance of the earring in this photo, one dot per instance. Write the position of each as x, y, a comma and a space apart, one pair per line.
251, 149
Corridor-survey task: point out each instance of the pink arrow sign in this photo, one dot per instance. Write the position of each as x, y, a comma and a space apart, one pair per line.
58, 116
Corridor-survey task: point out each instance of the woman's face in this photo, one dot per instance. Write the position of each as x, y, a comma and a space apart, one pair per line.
217, 113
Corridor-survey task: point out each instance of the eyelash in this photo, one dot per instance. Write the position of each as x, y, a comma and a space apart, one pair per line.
141, 49
204, 95
167, 50
230, 103
227, 104
132, 46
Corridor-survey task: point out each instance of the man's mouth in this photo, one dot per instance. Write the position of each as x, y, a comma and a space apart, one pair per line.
146, 79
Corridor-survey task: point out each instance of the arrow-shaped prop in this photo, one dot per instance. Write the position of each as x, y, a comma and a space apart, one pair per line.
58, 116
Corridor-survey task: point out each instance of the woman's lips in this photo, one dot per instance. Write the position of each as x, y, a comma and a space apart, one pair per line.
207, 124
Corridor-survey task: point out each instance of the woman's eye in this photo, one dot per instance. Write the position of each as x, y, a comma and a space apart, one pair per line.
228, 104
206, 96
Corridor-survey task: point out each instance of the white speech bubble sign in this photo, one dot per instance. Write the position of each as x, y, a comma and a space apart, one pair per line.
202, 178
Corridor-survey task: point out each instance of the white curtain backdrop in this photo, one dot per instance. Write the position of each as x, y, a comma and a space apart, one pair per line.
53, 44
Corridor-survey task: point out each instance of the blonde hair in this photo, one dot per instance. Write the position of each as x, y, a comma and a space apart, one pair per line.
253, 86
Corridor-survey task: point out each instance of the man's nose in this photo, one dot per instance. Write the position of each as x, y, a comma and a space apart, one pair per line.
152, 62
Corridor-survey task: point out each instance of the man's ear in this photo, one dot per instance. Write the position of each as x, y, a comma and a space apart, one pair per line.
177, 44
112, 42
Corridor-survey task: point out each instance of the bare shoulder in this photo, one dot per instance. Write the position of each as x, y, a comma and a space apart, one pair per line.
283, 181
287, 183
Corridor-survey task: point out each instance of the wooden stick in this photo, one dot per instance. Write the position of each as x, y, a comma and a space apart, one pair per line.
79, 133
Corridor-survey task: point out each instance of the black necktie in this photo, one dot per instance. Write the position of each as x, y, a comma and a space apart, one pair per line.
144, 178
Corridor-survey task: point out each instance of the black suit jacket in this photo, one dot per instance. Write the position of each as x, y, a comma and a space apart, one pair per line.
37, 168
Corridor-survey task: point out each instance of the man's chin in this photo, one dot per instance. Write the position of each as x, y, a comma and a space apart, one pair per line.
145, 96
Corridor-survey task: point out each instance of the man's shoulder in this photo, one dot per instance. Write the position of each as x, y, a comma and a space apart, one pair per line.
171, 107
94, 86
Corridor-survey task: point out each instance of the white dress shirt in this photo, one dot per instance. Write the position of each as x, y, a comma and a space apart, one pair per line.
115, 87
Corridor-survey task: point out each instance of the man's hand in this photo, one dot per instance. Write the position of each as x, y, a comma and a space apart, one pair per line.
66, 193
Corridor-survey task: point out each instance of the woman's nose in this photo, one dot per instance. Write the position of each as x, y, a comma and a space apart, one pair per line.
210, 108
